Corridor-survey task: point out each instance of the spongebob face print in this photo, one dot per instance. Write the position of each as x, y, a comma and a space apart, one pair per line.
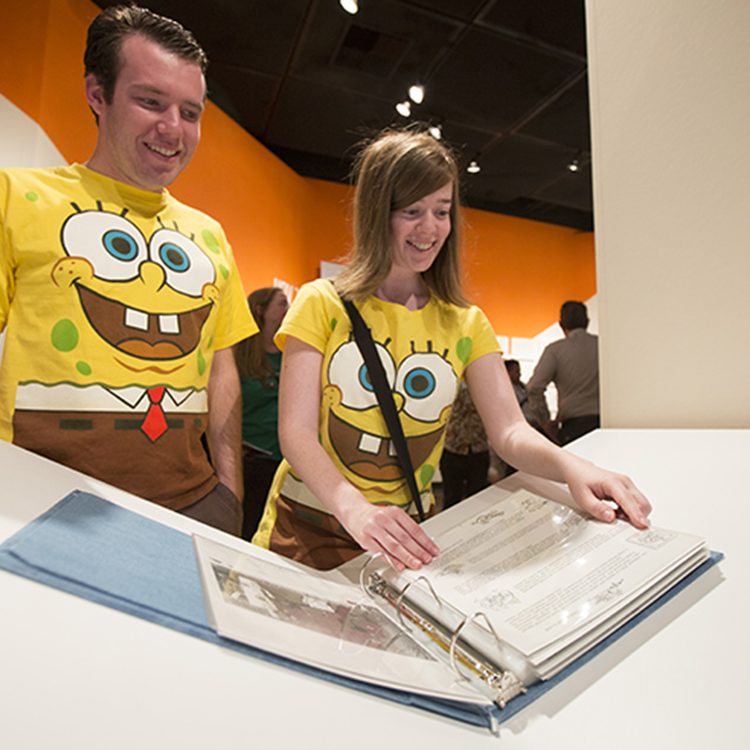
148, 299
424, 387
117, 300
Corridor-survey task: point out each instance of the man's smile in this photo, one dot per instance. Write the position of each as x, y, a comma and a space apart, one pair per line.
162, 150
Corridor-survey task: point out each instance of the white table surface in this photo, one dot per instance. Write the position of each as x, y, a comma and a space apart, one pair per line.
74, 674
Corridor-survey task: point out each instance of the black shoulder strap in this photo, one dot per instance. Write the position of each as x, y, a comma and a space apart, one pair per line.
385, 398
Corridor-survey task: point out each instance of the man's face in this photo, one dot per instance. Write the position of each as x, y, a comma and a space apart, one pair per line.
148, 134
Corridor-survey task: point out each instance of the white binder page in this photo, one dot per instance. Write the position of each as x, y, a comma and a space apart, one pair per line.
542, 573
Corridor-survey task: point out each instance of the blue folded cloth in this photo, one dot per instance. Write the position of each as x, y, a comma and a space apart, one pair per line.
100, 551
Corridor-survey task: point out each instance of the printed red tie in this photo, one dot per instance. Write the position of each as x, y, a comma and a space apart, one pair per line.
155, 423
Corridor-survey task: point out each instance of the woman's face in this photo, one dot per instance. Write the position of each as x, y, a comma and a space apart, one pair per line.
275, 312
419, 230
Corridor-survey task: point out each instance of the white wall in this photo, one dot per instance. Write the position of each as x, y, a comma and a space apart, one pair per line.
670, 109
22, 142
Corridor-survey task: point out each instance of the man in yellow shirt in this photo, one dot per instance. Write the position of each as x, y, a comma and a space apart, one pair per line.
119, 303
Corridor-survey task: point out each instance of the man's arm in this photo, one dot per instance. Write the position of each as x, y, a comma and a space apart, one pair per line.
225, 420
7, 276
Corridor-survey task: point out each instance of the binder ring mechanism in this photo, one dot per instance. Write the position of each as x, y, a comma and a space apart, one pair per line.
438, 637
504, 681
363, 571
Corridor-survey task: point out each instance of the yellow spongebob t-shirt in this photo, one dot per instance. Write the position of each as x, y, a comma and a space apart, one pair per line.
113, 301
424, 353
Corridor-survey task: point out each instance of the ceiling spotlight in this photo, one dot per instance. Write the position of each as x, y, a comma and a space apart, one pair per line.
350, 6
416, 93
404, 108
473, 167
435, 131
574, 166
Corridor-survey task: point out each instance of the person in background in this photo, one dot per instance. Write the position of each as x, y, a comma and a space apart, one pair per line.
122, 304
513, 367
572, 363
339, 489
466, 453
259, 364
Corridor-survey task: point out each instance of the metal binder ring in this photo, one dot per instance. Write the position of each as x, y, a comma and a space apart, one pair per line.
363, 571
401, 596
457, 633
505, 683
452, 651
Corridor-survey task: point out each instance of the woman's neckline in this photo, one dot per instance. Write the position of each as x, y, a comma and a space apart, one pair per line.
411, 296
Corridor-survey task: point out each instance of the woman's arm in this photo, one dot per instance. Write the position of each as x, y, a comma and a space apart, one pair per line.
523, 447
375, 528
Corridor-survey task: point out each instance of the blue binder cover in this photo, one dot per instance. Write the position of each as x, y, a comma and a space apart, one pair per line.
100, 551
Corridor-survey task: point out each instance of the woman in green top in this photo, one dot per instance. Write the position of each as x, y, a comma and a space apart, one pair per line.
259, 364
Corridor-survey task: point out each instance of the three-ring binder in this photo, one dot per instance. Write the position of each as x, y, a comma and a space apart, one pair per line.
469, 663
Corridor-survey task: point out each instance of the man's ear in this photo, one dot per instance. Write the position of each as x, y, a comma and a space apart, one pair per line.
94, 94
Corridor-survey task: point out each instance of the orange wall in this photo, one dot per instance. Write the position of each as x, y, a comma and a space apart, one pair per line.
520, 272
280, 224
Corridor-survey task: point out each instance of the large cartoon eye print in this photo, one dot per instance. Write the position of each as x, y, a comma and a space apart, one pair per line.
348, 371
112, 244
186, 267
427, 383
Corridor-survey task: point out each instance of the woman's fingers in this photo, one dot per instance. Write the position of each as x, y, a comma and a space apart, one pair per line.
602, 488
392, 531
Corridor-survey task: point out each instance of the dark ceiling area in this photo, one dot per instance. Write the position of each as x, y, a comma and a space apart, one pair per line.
504, 79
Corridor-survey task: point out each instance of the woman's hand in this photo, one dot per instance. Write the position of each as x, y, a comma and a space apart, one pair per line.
389, 530
591, 486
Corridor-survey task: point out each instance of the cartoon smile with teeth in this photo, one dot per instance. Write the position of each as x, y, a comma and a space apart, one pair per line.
354, 432
148, 299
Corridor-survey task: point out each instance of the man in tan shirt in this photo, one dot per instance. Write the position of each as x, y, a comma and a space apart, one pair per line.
572, 363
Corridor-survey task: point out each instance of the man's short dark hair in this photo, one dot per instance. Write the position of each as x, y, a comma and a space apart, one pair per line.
111, 26
573, 315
